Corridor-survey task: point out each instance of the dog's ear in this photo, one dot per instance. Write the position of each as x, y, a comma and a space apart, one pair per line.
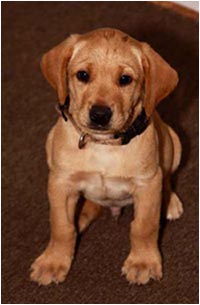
54, 66
160, 78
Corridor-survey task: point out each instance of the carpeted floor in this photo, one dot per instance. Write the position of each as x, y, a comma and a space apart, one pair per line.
30, 29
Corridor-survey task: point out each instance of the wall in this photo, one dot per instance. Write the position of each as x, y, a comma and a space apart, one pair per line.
191, 4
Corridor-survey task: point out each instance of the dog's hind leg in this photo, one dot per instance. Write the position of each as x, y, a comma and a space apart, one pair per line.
174, 206
89, 212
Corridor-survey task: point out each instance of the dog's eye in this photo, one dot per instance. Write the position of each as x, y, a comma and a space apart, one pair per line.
125, 80
83, 76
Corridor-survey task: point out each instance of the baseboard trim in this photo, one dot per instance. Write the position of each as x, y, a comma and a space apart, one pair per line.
178, 8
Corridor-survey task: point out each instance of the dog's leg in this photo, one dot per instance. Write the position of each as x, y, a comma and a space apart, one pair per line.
89, 212
144, 260
173, 205
54, 263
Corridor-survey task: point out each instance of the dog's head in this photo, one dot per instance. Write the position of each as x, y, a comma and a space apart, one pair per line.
108, 75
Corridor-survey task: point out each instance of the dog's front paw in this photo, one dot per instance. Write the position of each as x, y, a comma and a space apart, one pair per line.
139, 270
49, 267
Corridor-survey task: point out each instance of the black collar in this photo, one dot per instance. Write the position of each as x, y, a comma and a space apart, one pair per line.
64, 108
136, 128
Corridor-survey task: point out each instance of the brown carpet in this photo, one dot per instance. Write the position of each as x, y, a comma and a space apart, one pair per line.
30, 29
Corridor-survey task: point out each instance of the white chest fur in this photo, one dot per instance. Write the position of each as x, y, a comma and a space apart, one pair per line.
107, 191
105, 176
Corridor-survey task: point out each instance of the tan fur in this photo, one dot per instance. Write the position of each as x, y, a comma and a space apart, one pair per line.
89, 212
108, 175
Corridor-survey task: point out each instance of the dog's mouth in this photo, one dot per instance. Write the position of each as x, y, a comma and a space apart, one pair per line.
98, 127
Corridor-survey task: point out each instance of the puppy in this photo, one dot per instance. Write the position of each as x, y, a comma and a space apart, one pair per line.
109, 145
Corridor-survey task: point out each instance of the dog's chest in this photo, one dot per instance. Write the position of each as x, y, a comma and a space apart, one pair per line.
107, 191
103, 178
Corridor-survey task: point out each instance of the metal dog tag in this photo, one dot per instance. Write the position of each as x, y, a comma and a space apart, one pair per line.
81, 142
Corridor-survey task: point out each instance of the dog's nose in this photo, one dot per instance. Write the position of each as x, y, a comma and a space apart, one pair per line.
100, 115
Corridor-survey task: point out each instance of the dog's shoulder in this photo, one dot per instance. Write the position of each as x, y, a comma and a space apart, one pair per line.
57, 141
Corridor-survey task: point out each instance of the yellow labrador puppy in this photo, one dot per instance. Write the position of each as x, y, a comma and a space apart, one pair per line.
109, 145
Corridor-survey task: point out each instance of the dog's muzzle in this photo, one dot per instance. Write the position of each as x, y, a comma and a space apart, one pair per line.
101, 115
